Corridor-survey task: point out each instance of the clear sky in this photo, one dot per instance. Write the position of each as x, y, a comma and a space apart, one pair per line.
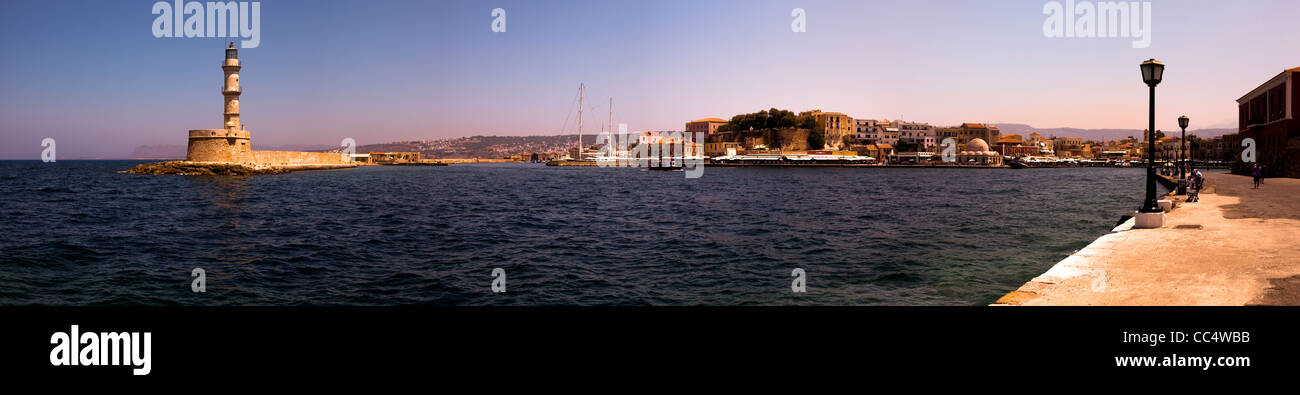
92, 75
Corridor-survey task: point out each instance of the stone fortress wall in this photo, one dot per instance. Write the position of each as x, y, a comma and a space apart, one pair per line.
224, 146
295, 158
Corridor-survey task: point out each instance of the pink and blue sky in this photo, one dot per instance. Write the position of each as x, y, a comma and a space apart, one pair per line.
91, 74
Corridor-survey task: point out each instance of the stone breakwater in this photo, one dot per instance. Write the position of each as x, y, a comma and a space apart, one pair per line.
187, 168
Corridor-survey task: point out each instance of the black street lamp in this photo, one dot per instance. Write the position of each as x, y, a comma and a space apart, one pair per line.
1152, 72
1182, 144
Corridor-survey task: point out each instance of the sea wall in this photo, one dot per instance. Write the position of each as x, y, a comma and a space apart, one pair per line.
469, 160
1234, 246
1081, 263
294, 158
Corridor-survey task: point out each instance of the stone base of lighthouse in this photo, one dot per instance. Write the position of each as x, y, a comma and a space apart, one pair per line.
220, 145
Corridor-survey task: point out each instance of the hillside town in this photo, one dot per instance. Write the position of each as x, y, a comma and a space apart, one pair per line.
874, 141
817, 137
826, 136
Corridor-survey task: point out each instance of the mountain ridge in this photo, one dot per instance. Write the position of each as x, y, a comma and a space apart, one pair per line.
1100, 134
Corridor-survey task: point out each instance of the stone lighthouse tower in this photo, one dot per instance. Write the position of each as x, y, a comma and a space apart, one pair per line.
231, 143
231, 89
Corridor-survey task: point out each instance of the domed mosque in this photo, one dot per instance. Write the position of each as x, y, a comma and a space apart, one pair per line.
977, 153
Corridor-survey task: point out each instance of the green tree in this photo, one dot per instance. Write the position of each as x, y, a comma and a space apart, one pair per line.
809, 123
772, 118
816, 139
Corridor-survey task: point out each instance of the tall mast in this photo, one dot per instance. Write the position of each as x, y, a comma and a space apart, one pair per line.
611, 115
581, 87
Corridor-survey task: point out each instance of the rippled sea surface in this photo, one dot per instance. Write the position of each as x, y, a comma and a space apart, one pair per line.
80, 233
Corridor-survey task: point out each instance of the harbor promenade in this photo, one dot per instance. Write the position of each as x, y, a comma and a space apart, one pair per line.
1236, 246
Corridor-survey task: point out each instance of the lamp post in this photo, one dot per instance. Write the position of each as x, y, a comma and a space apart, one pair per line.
1182, 144
1152, 72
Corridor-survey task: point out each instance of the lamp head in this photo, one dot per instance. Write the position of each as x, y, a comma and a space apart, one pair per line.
1152, 72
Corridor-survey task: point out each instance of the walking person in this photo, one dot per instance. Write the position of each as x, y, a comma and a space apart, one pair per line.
1194, 185
1258, 172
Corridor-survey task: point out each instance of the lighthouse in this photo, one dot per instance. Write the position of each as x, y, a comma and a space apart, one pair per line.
230, 144
231, 89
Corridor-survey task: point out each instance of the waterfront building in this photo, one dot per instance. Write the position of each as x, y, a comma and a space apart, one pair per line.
1069, 147
869, 131
968, 131
888, 133
721, 148
911, 158
1047, 147
393, 157
1012, 145
946, 133
978, 153
707, 126
834, 126
1019, 150
667, 143
863, 129
869, 150
922, 135
1167, 148
649, 137
1212, 149
1267, 114
1036, 145
1131, 149
1232, 148
1114, 155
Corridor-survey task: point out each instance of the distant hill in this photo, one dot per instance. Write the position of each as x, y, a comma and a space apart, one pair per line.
485, 147
158, 152
1097, 134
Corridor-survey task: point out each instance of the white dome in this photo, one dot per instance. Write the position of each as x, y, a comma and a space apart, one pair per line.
977, 145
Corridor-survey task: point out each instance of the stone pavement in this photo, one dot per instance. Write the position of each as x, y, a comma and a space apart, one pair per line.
1236, 246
